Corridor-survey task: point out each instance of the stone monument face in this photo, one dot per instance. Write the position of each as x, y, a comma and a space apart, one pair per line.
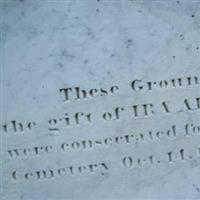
100, 99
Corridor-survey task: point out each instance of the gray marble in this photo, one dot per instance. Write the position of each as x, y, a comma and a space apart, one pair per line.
100, 99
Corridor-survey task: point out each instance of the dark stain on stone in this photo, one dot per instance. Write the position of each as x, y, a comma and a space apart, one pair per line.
112, 55
182, 36
23, 14
129, 43
105, 175
108, 73
86, 61
91, 73
185, 177
90, 33
188, 47
66, 54
60, 65
193, 16
196, 188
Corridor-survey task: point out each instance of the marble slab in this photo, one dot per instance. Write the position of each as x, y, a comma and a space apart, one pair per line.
100, 99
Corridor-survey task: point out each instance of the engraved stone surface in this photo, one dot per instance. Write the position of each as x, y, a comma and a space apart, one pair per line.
100, 99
